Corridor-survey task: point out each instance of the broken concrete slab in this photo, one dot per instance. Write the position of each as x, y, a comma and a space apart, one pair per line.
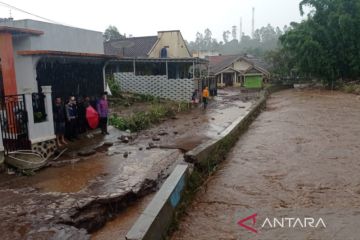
158, 214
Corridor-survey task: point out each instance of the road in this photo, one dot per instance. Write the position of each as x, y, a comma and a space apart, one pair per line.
79, 194
293, 175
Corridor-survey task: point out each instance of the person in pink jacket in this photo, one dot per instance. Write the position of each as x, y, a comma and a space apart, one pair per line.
103, 110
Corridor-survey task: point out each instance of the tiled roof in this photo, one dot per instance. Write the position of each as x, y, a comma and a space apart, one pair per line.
130, 47
219, 63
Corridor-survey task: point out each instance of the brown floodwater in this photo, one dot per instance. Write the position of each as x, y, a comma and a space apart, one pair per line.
299, 159
120, 225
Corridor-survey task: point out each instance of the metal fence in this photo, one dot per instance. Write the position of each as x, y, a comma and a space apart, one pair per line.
13, 120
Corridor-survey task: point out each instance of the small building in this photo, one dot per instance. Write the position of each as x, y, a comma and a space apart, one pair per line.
238, 71
40, 60
158, 65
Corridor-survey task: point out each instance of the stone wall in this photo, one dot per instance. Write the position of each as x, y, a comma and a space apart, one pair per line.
158, 86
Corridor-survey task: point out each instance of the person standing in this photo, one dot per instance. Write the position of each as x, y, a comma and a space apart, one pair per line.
195, 97
71, 117
103, 110
59, 121
81, 109
205, 97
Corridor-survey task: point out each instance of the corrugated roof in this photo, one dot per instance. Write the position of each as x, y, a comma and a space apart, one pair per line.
130, 47
67, 54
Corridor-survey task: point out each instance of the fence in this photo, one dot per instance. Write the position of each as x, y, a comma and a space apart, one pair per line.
13, 120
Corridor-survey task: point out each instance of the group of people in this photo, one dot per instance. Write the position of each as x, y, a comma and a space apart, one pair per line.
77, 116
204, 96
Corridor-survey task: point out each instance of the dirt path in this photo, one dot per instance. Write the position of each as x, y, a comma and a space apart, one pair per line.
299, 159
72, 200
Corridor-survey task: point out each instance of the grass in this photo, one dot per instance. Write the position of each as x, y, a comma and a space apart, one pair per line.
353, 88
143, 120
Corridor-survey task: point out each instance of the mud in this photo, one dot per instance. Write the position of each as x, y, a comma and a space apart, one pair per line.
76, 195
299, 159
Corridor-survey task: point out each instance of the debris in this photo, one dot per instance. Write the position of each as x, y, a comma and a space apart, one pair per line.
140, 149
155, 138
108, 144
126, 154
124, 139
90, 135
162, 133
86, 153
176, 132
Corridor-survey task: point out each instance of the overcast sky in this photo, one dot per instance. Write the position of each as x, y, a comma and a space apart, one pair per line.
146, 17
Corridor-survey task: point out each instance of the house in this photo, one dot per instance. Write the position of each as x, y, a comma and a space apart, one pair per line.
157, 65
40, 60
238, 70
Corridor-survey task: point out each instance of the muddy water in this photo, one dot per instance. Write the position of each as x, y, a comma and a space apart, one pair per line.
299, 159
119, 226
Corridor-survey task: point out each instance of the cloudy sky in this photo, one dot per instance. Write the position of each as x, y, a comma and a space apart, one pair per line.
146, 17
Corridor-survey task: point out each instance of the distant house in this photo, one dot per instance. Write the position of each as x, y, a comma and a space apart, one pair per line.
157, 65
40, 60
238, 70
149, 47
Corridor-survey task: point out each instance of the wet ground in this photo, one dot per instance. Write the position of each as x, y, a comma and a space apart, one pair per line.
299, 159
77, 194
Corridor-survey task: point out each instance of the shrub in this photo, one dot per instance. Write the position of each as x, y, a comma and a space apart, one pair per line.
142, 120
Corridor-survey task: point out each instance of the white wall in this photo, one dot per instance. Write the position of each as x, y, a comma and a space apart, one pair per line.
43, 131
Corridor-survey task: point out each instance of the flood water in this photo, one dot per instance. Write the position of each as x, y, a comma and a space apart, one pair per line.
299, 159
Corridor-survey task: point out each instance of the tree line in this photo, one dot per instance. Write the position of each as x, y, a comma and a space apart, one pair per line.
325, 46
264, 40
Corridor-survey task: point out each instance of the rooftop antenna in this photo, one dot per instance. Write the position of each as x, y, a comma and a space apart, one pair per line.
10, 17
253, 23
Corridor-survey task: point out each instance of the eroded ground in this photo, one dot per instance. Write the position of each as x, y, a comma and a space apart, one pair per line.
78, 194
299, 159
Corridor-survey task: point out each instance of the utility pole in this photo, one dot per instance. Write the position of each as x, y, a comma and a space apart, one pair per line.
241, 29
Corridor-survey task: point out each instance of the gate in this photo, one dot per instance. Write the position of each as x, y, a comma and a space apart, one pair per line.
14, 123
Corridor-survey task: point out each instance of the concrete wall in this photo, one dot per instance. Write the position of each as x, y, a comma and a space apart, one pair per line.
158, 86
43, 131
59, 38
175, 41
157, 217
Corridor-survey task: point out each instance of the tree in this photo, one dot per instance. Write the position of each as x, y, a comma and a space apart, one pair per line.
226, 36
326, 45
112, 33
